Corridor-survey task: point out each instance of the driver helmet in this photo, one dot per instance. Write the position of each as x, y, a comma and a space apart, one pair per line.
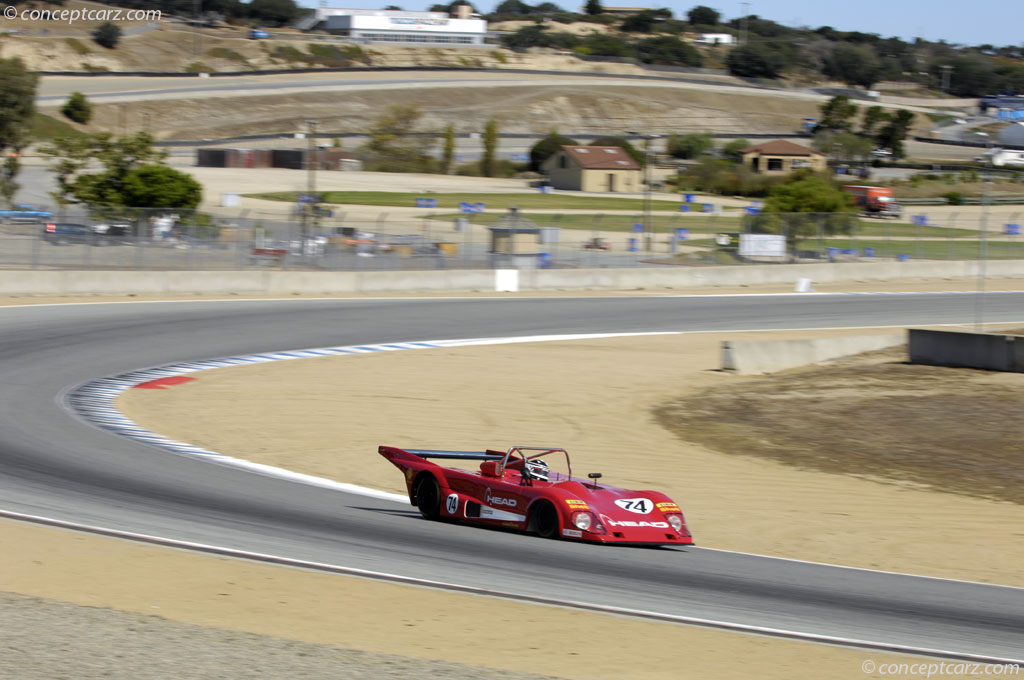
537, 469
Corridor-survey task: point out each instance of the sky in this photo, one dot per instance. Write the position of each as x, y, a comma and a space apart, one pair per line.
996, 22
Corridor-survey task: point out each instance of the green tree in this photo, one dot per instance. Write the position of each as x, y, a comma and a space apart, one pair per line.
843, 145
872, 117
755, 60
487, 164
17, 107
641, 22
623, 143
593, 7
70, 156
703, 16
132, 173
107, 35
803, 206
448, 154
732, 150
159, 186
392, 146
852, 64
689, 146
77, 108
548, 147
837, 114
513, 7
274, 12
894, 133
668, 50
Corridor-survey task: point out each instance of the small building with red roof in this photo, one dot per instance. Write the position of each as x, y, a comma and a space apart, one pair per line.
593, 168
779, 157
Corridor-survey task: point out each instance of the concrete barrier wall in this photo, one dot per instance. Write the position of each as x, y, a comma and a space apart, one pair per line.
752, 357
988, 351
273, 281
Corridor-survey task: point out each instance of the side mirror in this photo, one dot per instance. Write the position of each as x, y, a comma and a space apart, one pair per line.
594, 475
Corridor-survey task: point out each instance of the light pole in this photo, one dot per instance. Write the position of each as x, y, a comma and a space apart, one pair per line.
312, 207
743, 30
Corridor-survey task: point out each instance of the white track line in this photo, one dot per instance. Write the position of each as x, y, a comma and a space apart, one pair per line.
472, 590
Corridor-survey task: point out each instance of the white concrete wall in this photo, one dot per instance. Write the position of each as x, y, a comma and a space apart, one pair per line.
752, 357
71, 282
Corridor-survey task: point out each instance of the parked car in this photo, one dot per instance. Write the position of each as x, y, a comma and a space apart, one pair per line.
24, 213
67, 233
258, 34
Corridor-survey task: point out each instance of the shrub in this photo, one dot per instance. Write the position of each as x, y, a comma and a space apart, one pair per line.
77, 108
953, 197
199, 67
107, 35
77, 46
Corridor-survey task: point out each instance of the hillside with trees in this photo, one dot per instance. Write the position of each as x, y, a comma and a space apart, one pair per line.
768, 50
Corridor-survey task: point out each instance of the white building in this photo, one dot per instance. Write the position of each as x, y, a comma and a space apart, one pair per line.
716, 39
400, 26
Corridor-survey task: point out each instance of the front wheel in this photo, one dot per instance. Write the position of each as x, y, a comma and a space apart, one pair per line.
546, 521
428, 497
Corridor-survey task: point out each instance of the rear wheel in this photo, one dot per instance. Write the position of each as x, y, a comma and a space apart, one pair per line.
428, 497
546, 521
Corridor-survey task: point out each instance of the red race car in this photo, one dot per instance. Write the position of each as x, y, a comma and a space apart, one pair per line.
531, 488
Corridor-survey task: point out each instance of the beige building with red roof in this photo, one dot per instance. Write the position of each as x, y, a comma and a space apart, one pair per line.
779, 157
593, 168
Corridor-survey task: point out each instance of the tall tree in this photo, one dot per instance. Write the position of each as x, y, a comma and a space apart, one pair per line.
17, 106
838, 114
487, 165
392, 145
690, 146
594, 7
852, 64
755, 60
548, 147
703, 16
274, 12
133, 173
894, 133
873, 116
448, 154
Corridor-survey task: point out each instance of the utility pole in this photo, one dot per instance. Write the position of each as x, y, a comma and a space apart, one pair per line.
946, 68
312, 207
743, 24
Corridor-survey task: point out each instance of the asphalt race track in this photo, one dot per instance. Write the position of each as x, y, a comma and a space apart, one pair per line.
54, 466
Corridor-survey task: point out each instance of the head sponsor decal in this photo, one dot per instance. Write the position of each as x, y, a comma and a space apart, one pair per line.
640, 506
491, 499
631, 523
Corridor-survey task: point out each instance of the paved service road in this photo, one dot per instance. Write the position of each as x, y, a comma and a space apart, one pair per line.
55, 466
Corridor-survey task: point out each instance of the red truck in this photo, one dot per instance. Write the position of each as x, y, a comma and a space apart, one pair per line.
874, 201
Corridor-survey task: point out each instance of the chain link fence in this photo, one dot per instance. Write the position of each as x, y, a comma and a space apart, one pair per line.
82, 238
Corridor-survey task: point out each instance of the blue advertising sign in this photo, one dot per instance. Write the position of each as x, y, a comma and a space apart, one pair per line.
682, 234
752, 210
465, 207
684, 208
426, 202
638, 228
632, 245
869, 251
708, 207
479, 207
688, 198
1011, 229
919, 220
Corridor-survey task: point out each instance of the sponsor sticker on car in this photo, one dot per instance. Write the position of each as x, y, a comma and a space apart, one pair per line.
572, 533
640, 506
576, 504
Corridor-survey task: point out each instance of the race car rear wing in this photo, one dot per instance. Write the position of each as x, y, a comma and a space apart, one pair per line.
457, 455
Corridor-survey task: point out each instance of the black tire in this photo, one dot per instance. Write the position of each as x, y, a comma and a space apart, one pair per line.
546, 522
428, 497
